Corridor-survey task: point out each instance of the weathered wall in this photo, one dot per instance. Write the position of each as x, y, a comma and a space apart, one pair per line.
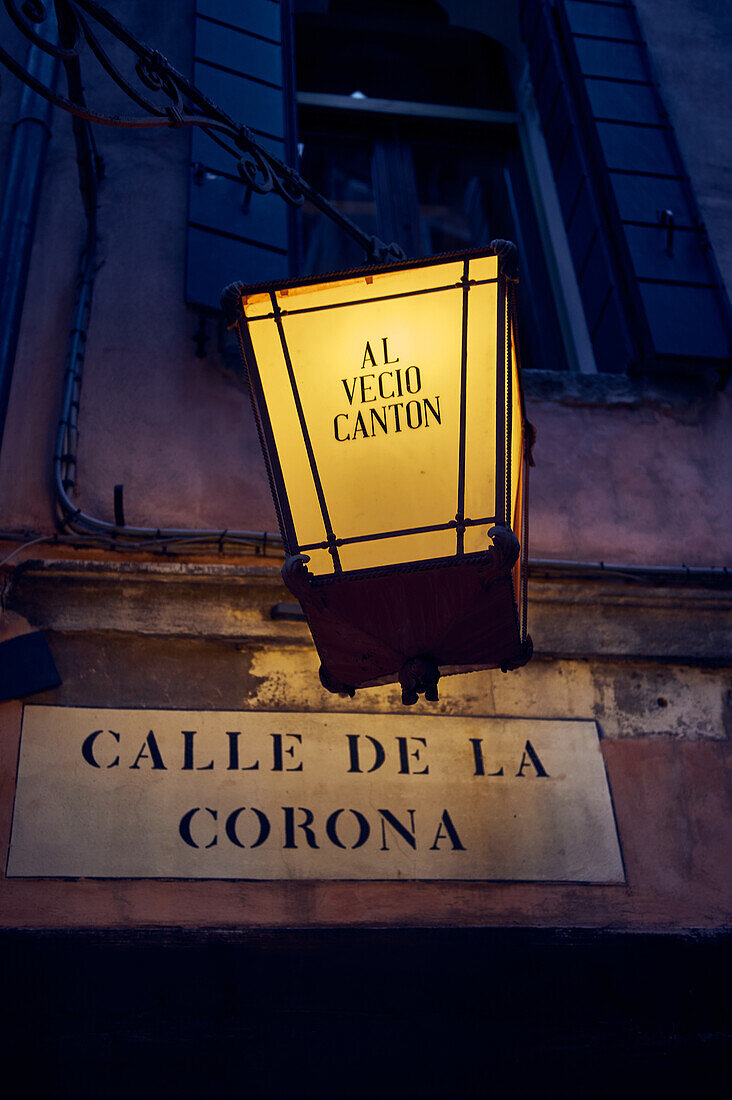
154, 417
650, 665
625, 472
671, 799
612, 481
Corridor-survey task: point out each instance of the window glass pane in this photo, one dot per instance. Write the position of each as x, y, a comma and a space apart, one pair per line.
462, 195
369, 422
433, 187
399, 51
339, 167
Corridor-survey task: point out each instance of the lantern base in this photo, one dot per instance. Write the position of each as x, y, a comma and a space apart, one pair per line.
412, 623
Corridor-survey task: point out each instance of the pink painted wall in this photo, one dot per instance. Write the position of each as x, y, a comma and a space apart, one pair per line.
671, 802
645, 480
644, 485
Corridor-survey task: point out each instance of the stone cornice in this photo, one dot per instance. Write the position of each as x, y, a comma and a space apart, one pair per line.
582, 617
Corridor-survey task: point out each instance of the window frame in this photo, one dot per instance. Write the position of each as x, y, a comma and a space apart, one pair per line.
574, 335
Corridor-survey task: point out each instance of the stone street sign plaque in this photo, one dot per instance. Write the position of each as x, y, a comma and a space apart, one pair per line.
259, 795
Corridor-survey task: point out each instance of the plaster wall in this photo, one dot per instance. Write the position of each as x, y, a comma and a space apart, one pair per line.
176, 636
670, 795
613, 478
625, 472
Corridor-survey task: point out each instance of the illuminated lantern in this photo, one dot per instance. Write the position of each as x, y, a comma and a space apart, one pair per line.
393, 428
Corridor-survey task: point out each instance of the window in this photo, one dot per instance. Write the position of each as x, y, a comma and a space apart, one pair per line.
652, 294
408, 125
407, 121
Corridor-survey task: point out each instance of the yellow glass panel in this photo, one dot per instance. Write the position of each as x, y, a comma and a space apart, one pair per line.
359, 288
484, 267
378, 378
306, 514
257, 305
379, 385
367, 288
320, 561
395, 551
518, 530
480, 425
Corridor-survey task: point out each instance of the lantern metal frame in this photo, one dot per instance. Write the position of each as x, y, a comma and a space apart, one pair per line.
342, 607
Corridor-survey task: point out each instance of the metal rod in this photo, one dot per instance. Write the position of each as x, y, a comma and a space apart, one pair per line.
320, 492
716, 576
166, 99
460, 511
64, 459
365, 301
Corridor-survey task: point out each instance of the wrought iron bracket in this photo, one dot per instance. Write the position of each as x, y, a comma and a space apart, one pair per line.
164, 98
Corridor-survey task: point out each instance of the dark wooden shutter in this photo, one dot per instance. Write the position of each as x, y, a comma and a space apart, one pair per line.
651, 289
242, 61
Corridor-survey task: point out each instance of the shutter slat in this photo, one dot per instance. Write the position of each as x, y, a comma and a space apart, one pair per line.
223, 204
641, 198
206, 152
652, 259
636, 149
612, 320
685, 318
257, 105
580, 227
618, 176
557, 131
594, 286
617, 60
599, 19
614, 99
578, 202
221, 260
260, 17
228, 47
235, 233
570, 178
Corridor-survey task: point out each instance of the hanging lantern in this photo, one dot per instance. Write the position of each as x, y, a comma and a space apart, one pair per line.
389, 406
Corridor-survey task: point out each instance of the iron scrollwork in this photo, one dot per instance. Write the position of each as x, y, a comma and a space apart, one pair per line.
175, 102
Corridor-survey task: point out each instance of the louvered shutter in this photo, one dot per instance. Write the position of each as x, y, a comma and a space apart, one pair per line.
242, 63
652, 293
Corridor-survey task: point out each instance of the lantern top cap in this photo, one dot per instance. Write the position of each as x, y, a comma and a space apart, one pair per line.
231, 297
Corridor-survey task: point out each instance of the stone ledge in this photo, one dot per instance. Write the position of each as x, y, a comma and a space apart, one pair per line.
686, 396
581, 618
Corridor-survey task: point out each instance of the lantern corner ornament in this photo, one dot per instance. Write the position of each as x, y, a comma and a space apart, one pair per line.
390, 411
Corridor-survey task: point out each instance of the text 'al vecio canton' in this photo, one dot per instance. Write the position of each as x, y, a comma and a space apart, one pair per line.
384, 398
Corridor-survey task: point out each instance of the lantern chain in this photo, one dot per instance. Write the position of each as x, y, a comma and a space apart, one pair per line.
165, 99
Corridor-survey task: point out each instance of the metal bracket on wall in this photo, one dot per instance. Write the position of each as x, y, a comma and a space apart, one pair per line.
166, 99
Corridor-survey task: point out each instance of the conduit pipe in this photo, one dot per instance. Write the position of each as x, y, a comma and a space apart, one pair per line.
64, 459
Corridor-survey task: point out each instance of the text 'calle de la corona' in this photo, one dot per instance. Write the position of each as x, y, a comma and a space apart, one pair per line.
265, 795
344, 827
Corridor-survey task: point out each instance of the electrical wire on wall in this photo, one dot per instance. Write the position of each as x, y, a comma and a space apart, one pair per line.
82, 530
77, 527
